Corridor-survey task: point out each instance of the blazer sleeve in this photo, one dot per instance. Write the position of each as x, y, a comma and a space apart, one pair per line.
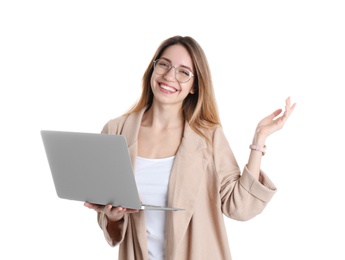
117, 234
242, 196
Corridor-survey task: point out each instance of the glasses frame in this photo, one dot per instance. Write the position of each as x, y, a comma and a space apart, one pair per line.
191, 75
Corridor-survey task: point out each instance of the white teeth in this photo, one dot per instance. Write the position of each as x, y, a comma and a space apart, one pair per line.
168, 88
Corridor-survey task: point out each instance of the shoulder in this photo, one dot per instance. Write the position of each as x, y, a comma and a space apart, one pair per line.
128, 121
214, 133
210, 137
217, 141
114, 125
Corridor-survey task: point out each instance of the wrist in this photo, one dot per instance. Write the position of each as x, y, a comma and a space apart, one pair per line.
258, 148
114, 220
259, 139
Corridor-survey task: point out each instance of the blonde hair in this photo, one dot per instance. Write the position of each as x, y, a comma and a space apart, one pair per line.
199, 109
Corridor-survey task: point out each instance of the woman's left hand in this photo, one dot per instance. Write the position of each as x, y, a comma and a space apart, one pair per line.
272, 123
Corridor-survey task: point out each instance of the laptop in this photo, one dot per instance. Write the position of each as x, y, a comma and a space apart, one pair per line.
93, 168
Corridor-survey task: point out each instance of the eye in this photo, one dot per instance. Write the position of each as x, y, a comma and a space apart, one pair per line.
163, 64
184, 71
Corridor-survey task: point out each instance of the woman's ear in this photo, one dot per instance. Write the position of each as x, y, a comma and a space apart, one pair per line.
192, 91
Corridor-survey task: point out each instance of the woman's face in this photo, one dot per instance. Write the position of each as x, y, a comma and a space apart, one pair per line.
165, 87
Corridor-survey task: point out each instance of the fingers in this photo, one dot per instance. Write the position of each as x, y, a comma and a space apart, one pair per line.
113, 213
110, 210
132, 210
288, 108
275, 120
90, 205
287, 112
288, 102
276, 113
96, 207
116, 213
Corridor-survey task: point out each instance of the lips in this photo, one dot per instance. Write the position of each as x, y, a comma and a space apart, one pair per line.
168, 88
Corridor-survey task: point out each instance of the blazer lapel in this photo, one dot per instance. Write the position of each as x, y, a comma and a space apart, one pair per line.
130, 130
184, 186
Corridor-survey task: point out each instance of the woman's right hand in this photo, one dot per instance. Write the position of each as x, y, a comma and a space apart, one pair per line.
112, 213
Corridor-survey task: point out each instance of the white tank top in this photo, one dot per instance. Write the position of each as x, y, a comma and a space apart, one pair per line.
152, 178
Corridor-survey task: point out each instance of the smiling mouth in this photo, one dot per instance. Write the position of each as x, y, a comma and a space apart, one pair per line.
168, 88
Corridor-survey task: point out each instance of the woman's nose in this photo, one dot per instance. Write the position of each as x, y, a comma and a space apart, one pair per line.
170, 74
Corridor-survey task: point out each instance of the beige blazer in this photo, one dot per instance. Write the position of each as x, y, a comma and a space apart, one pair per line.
207, 183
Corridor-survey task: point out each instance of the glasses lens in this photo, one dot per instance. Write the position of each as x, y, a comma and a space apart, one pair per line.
183, 75
161, 66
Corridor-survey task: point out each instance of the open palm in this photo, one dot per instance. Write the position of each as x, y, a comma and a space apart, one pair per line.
274, 122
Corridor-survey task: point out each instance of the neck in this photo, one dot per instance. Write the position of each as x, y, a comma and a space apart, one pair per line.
163, 117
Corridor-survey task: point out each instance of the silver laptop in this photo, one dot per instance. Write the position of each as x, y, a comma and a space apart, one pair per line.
93, 168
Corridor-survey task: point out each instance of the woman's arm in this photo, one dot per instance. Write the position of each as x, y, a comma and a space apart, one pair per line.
266, 127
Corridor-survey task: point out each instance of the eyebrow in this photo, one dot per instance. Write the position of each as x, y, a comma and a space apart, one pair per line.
183, 66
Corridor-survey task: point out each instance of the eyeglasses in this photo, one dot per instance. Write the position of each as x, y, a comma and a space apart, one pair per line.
162, 66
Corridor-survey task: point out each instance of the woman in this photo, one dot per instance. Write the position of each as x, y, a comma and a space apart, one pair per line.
182, 159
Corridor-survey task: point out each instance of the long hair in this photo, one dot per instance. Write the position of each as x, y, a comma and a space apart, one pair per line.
199, 109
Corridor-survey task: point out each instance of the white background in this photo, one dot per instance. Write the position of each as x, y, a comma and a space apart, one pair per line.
73, 65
